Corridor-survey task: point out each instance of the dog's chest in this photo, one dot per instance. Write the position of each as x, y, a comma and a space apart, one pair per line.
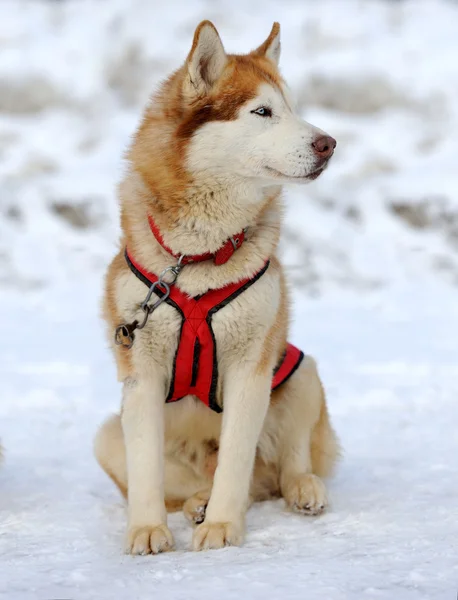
237, 329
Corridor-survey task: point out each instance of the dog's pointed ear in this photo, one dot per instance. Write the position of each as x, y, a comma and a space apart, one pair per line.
271, 47
206, 60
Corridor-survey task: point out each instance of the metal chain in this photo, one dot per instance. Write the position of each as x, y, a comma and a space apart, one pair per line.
124, 334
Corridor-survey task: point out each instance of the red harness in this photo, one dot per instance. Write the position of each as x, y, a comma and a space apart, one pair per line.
195, 367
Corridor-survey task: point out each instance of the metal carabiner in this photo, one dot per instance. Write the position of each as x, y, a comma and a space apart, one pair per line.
175, 269
124, 334
166, 292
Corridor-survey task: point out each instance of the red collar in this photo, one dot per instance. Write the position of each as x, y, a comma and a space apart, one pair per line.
220, 257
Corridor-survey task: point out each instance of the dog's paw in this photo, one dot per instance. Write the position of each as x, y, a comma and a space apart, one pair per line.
212, 536
194, 508
306, 494
149, 540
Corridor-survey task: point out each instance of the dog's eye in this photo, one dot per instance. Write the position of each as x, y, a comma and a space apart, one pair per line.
262, 111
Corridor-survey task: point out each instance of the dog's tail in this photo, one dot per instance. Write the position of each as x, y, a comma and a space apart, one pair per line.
325, 447
110, 452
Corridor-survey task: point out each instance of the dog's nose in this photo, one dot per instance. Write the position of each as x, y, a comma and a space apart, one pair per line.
324, 146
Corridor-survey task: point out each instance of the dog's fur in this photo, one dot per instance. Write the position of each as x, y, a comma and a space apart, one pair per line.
205, 166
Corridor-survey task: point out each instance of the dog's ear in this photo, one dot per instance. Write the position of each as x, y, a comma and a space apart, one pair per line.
206, 60
271, 47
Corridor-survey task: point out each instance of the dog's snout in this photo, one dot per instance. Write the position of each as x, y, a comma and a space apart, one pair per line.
324, 146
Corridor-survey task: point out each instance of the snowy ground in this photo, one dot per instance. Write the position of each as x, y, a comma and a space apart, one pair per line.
392, 529
371, 249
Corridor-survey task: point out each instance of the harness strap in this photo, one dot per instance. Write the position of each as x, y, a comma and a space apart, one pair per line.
287, 366
195, 366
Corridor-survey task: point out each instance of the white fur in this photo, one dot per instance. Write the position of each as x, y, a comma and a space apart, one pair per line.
246, 399
259, 150
143, 427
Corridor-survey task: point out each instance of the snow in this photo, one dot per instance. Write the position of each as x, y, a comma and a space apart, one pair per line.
375, 296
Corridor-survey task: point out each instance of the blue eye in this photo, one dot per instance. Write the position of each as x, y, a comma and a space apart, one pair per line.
262, 111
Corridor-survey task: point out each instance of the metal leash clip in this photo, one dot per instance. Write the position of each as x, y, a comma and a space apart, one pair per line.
124, 334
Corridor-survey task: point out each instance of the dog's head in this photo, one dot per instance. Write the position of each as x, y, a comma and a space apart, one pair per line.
237, 117
227, 117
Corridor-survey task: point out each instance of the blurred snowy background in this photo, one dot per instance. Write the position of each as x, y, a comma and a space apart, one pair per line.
382, 78
371, 249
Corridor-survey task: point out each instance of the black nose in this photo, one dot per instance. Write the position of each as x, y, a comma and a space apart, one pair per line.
324, 146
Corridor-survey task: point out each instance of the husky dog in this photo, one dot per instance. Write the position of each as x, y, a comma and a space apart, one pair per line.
218, 410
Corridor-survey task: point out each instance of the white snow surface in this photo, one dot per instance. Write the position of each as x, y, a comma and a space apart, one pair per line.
372, 253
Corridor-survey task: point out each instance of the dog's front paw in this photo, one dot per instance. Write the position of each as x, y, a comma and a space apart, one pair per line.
306, 494
212, 536
194, 508
149, 540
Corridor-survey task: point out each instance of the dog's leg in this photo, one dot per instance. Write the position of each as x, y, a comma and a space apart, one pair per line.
246, 398
307, 441
143, 427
